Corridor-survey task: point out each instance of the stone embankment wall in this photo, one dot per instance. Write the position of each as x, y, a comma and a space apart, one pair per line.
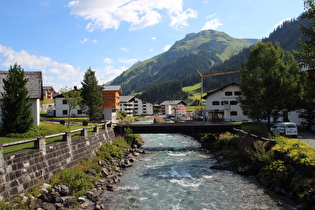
22, 171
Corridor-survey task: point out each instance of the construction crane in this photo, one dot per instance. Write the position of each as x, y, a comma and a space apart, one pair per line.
210, 75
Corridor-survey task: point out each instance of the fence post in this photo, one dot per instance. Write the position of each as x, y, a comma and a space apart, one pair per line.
96, 129
40, 144
1, 156
67, 136
84, 132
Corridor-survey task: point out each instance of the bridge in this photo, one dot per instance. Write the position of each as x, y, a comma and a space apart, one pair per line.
176, 128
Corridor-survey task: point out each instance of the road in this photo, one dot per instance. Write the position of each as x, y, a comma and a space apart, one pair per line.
308, 137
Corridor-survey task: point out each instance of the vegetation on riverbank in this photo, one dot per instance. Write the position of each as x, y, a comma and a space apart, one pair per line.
81, 178
288, 168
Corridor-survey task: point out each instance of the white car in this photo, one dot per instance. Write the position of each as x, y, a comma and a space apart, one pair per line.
285, 128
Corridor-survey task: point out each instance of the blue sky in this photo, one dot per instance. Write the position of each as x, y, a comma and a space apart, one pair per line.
62, 38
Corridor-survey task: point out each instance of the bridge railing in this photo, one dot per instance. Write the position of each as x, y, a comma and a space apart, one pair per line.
66, 136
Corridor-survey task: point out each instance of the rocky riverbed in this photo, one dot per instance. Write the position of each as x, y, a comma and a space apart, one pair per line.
58, 196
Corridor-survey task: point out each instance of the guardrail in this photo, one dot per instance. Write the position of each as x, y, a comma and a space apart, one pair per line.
66, 136
253, 136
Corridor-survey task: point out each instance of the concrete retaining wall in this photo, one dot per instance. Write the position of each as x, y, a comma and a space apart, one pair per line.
22, 171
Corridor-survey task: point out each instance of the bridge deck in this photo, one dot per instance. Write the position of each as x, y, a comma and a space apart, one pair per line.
176, 128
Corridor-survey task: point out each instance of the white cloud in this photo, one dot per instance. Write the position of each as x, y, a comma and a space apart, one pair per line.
106, 14
153, 38
212, 24
108, 60
167, 47
130, 61
108, 73
84, 40
179, 20
63, 72
124, 49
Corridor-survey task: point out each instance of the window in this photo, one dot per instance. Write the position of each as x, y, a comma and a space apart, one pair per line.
215, 103
228, 93
233, 102
224, 102
79, 111
64, 101
65, 112
237, 93
233, 113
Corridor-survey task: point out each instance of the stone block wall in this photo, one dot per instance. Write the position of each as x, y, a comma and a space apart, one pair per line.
22, 171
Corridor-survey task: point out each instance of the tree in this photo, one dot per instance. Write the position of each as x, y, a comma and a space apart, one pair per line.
270, 82
307, 60
73, 98
92, 95
16, 107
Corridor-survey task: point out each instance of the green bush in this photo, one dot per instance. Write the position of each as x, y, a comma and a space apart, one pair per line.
77, 180
300, 152
109, 151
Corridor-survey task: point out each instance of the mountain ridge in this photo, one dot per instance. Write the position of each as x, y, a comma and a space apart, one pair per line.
195, 50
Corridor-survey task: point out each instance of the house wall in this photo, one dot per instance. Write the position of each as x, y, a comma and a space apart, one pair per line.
127, 107
138, 106
111, 100
230, 112
22, 171
60, 107
147, 108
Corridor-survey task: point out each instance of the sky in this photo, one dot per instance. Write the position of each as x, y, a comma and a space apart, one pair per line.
63, 38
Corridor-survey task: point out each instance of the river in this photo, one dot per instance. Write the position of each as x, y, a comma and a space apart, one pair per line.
175, 174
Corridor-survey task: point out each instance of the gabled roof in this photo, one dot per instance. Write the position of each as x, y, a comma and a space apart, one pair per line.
116, 88
34, 83
214, 91
126, 99
173, 102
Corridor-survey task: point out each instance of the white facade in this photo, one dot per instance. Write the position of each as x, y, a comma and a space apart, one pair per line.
222, 104
138, 106
147, 108
62, 109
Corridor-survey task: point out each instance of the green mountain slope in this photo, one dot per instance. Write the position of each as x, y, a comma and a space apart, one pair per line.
196, 51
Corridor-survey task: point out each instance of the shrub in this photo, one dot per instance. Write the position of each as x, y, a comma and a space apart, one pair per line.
77, 180
299, 151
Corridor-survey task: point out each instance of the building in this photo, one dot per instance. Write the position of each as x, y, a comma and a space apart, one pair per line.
62, 108
49, 92
35, 90
111, 98
222, 104
134, 106
126, 105
176, 107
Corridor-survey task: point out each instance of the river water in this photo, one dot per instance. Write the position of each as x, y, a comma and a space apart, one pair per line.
177, 175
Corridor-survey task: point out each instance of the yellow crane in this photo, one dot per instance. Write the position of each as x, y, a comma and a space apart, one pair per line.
210, 75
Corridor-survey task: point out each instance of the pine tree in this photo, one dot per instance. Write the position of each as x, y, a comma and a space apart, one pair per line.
16, 107
92, 95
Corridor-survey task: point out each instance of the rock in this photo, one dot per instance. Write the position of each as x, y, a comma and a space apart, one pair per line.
63, 190
48, 206
221, 166
110, 187
104, 172
37, 203
92, 172
91, 196
58, 205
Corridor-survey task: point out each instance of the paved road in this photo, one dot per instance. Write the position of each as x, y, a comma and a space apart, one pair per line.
308, 137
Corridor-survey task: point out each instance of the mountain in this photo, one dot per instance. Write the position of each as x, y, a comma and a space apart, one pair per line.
197, 51
161, 77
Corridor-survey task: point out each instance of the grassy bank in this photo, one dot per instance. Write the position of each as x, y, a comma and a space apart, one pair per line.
287, 168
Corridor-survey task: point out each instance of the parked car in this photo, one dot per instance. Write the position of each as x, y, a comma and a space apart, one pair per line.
285, 128
169, 117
